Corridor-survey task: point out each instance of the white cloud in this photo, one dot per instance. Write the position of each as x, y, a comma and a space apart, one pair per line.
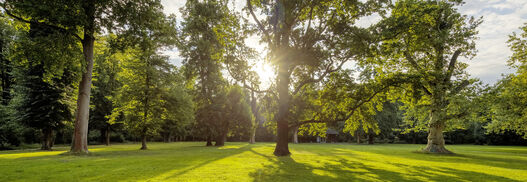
500, 19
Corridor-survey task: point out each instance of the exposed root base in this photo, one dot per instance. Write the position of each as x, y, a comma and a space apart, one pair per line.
280, 153
78, 153
436, 149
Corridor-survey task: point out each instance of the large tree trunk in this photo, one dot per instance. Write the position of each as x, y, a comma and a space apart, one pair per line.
282, 140
47, 139
143, 142
80, 139
436, 142
295, 135
80, 134
209, 141
220, 139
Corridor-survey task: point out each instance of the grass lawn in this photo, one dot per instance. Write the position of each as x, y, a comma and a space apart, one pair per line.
191, 161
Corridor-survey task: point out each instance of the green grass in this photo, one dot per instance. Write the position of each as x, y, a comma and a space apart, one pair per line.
191, 161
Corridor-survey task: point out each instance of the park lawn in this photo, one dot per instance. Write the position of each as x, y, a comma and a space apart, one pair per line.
192, 161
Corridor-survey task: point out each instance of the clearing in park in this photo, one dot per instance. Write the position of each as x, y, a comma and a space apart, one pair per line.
190, 161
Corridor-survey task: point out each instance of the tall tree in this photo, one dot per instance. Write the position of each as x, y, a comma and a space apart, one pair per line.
105, 88
425, 39
307, 41
179, 108
208, 35
43, 89
146, 77
236, 115
82, 20
507, 99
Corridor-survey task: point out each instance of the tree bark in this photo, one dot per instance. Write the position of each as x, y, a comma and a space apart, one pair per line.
209, 141
47, 139
143, 142
371, 138
295, 135
220, 140
358, 136
436, 141
107, 142
254, 110
80, 139
282, 139
80, 134
252, 140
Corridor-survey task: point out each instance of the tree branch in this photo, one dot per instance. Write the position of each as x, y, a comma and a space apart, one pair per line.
452, 64
61, 29
260, 25
412, 61
328, 71
460, 87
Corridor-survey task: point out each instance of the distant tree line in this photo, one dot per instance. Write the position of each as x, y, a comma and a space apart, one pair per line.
94, 72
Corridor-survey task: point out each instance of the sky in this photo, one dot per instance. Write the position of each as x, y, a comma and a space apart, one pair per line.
500, 19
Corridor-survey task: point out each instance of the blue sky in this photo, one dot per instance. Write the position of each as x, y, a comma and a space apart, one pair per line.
500, 19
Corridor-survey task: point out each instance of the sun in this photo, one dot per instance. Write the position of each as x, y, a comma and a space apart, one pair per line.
266, 73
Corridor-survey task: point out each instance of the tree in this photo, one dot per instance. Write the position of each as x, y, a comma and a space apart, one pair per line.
508, 101
236, 115
179, 108
424, 39
146, 77
307, 41
45, 81
208, 36
105, 88
82, 20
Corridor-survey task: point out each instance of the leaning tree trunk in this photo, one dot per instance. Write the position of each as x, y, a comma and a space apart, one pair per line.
47, 139
80, 134
282, 139
436, 141
295, 135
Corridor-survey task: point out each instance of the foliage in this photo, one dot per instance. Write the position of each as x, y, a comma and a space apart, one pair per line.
508, 97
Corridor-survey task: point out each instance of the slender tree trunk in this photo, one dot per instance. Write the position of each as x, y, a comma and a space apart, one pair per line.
252, 140
80, 134
295, 135
143, 142
254, 110
358, 136
107, 142
209, 141
436, 141
371, 138
282, 140
47, 139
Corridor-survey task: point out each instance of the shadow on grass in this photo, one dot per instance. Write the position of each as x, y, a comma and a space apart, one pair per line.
341, 169
160, 163
164, 166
